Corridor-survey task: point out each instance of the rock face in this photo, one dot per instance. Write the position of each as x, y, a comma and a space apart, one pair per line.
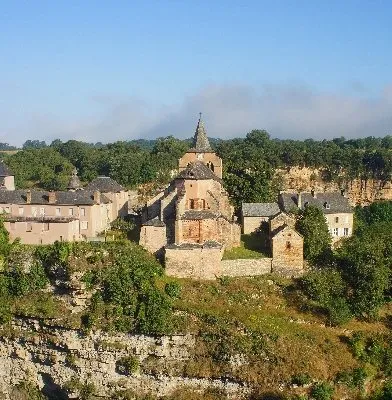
358, 191
53, 357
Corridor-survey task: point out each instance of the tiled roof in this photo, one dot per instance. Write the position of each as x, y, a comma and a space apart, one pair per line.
197, 171
79, 197
329, 203
260, 209
4, 170
105, 184
199, 214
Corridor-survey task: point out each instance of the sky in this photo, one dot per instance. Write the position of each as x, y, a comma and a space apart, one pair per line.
120, 70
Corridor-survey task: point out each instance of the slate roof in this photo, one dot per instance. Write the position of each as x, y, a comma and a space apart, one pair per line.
200, 140
4, 170
154, 222
199, 214
80, 197
197, 171
336, 202
183, 246
284, 228
105, 184
260, 209
45, 218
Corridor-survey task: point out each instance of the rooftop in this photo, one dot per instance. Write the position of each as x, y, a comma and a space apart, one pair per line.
197, 171
200, 140
104, 184
4, 170
260, 209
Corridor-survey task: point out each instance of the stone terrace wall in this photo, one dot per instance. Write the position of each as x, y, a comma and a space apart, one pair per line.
246, 267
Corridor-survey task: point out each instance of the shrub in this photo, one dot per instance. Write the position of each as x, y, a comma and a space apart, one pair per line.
127, 365
322, 391
301, 379
354, 378
173, 289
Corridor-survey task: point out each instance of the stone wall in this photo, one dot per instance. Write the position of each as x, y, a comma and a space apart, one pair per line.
153, 238
50, 357
252, 224
287, 251
197, 262
246, 267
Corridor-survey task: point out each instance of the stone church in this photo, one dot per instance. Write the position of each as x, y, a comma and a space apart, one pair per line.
192, 222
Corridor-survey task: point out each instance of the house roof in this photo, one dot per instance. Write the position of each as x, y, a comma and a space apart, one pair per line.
285, 228
260, 209
329, 203
199, 214
197, 171
79, 197
105, 184
40, 219
4, 170
154, 222
200, 140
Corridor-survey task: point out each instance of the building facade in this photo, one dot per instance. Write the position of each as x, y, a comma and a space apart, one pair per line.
41, 217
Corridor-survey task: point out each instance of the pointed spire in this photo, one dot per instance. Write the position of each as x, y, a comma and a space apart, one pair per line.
74, 182
200, 140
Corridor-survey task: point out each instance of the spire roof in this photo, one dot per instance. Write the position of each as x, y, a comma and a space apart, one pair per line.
74, 182
200, 140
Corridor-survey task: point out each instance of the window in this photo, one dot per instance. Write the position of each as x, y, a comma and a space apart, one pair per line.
327, 206
61, 238
288, 245
82, 212
34, 211
21, 210
335, 231
345, 231
58, 212
191, 204
29, 227
336, 219
46, 226
42, 211
83, 225
70, 211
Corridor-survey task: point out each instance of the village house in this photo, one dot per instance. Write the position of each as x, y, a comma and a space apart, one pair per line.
335, 207
42, 217
255, 215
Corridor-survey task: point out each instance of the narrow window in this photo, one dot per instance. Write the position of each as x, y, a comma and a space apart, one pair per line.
83, 225
82, 212
34, 211
336, 219
42, 211
345, 231
336, 231
70, 211
58, 212
46, 226
29, 227
191, 204
21, 210
288, 245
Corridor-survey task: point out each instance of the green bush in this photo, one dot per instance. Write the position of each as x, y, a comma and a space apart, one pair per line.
301, 379
322, 391
127, 365
173, 290
352, 378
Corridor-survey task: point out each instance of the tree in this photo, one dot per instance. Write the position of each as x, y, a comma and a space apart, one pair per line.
317, 239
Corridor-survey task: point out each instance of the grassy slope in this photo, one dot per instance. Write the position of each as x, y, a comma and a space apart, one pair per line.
261, 318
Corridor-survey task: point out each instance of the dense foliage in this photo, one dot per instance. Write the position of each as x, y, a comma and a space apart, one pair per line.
249, 163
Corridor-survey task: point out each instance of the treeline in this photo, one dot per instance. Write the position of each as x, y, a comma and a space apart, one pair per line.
249, 163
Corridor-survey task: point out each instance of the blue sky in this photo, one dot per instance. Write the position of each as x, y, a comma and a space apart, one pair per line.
98, 70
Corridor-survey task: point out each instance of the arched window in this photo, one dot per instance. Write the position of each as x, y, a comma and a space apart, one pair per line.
210, 165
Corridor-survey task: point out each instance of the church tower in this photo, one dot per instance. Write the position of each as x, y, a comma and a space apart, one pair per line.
201, 151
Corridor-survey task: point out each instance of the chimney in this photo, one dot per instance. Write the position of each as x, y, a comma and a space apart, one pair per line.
299, 200
52, 197
314, 195
28, 196
97, 196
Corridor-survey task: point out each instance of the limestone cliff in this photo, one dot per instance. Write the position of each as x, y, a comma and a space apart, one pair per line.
359, 191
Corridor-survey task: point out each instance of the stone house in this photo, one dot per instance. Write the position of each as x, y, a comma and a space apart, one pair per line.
335, 207
191, 222
256, 215
41, 217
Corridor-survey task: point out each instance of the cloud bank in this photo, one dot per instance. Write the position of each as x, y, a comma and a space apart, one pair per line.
229, 111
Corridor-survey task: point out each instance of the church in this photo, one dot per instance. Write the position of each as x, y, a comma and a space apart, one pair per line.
191, 222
